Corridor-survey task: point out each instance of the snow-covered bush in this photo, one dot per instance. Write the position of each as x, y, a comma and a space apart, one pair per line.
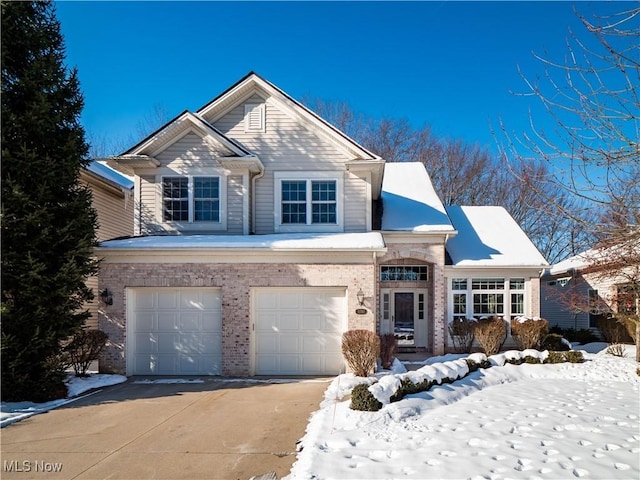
529, 332
363, 400
490, 334
360, 349
616, 349
556, 357
574, 356
461, 332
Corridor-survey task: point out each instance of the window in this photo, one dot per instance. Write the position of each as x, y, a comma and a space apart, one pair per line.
175, 199
254, 120
487, 297
421, 306
402, 273
459, 305
517, 299
308, 201
488, 304
294, 202
191, 199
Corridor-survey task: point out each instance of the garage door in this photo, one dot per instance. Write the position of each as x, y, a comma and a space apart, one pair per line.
174, 331
299, 331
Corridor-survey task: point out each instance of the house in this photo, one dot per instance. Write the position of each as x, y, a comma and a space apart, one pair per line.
262, 233
113, 202
575, 295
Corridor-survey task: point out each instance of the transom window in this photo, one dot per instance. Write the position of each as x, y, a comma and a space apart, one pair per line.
403, 273
191, 199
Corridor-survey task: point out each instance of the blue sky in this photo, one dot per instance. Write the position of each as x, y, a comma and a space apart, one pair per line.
450, 65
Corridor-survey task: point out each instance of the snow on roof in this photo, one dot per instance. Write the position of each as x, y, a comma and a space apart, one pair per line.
490, 237
409, 201
110, 175
297, 241
576, 262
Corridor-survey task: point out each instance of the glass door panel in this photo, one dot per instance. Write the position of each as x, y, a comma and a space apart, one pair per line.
404, 321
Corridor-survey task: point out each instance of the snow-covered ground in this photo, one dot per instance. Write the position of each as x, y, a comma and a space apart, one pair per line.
527, 421
11, 412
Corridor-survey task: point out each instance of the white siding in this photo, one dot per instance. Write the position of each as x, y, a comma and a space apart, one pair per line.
355, 211
115, 219
234, 205
146, 211
286, 145
190, 151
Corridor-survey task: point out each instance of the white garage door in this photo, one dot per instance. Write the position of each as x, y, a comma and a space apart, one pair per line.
298, 331
174, 331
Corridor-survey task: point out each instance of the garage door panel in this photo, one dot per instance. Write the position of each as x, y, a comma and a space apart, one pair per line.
146, 321
145, 343
167, 300
289, 301
289, 344
298, 330
176, 331
289, 321
190, 322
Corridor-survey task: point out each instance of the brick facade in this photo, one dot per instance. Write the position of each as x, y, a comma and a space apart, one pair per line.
236, 282
432, 255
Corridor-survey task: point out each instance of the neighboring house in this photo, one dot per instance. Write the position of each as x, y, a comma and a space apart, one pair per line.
262, 233
572, 296
113, 202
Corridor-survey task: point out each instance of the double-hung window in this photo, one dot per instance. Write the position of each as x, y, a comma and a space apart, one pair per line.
311, 203
191, 199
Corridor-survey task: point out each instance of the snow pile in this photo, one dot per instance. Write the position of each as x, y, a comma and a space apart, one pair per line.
523, 319
548, 421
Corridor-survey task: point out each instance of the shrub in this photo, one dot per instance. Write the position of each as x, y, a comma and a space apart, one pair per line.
473, 366
613, 331
556, 357
83, 348
388, 349
553, 341
532, 360
582, 335
514, 361
360, 349
629, 322
574, 356
490, 334
616, 349
529, 333
461, 331
363, 400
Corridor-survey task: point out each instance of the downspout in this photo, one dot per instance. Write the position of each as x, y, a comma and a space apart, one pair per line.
253, 200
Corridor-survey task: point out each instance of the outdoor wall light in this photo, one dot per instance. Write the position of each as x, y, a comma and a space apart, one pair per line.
106, 297
360, 297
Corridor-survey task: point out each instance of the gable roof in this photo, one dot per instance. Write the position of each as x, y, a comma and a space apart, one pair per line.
409, 201
253, 83
180, 123
489, 237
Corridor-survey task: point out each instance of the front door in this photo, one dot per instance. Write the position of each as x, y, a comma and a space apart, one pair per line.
404, 315
404, 319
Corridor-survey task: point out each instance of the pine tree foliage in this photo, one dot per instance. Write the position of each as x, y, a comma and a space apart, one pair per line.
48, 223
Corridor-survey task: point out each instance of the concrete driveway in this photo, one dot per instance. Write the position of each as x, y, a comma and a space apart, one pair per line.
212, 430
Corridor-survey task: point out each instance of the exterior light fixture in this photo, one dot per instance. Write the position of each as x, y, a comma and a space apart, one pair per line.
360, 297
106, 297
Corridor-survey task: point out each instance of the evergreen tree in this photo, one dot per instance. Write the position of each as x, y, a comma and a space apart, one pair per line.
48, 223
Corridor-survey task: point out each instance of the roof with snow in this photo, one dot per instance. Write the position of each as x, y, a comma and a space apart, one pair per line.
110, 175
409, 201
284, 242
490, 237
